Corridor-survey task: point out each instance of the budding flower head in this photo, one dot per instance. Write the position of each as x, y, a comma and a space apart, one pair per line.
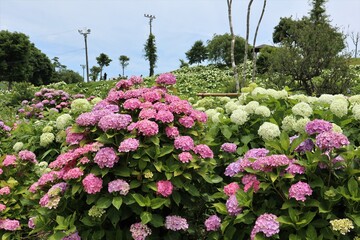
342, 225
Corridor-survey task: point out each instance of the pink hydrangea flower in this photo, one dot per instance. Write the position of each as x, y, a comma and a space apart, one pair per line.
147, 113
250, 181
124, 84
91, 118
232, 206
9, 224
2, 207
4, 190
152, 96
31, 222
295, 168
27, 155
176, 223
185, 157
136, 79
120, 186
199, 116
267, 163
231, 188
256, 153
73, 138
130, 144
73, 173
172, 132
180, 106
92, 184
184, 143
228, 147
147, 128
318, 126
132, 104
9, 160
164, 188
204, 151
72, 236
166, 78
114, 121
267, 224
187, 122
139, 231
232, 169
212, 223
331, 140
299, 190
164, 116
106, 157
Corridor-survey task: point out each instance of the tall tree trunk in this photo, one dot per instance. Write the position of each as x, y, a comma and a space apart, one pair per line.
233, 64
255, 36
246, 41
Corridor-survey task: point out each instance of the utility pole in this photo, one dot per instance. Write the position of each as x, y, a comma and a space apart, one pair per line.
151, 17
85, 32
83, 67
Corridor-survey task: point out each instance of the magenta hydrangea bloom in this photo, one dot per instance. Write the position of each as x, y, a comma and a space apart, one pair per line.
180, 106
31, 222
233, 168
130, 144
139, 231
267, 163
91, 118
187, 122
73, 236
228, 147
9, 160
9, 224
136, 79
114, 121
164, 116
331, 140
120, 186
231, 188
299, 190
2, 207
73, 173
199, 116
164, 188
4, 190
27, 155
318, 126
294, 168
250, 181
267, 224
92, 184
172, 132
232, 206
73, 138
256, 153
185, 157
132, 104
152, 96
204, 151
184, 143
212, 223
305, 146
106, 157
147, 113
176, 223
166, 78
147, 128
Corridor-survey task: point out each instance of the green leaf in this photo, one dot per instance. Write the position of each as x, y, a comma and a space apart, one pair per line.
192, 190
75, 188
176, 197
158, 202
165, 150
294, 237
135, 184
155, 140
158, 166
306, 219
353, 187
225, 130
145, 217
104, 202
122, 171
311, 232
142, 164
285, 220
114, 217
293, 214
141, 200
116, 202
273, 176
157, 220
221, 208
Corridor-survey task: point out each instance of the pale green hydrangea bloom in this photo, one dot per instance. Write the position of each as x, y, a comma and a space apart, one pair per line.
283, 94
96, 212
288, 123
80, 105
300, 124
239, 117
339, 107
63, 121
340, 96
336, 128
312, 100
215, 118
269, 131
220, 110
251, 107
263, 111
326, 98
148, 174
201, 109
356, 111
41, 168
242, 98
60, 136
259, 90
302, 109
354, 99
46, 139
47, 129
210, 112
95, 100
342, 225
230, 107
224, 99
18, 146
299, 97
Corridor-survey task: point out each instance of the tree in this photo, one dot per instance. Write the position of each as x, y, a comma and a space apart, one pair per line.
308, 47
183, 63
41, 68
232, 48
57, 65
219, 49
197, 53
94, 73
246, 41
355, 39
103, 60
150, 53
124, 62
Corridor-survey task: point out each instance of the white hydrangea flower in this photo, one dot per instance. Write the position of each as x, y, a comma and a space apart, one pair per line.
336, 128
239, 117
63, 121
251, 107
339, 107
219, 109
283, 94
47, 129
18, 146
80, 105
263, 111
225, 99
354, 99
326, 98
269, 131
95, 100
300, 124
210, 112
259, 90
230, 107
312, 100
215, 118
356, 111
288, 123
41, 168
46, 139
340, 96
242, 98
201, 109
60, 136
302, 109
299, 97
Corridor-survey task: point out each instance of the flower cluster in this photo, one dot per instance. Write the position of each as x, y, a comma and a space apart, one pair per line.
212, 223
176, 223
139, 231
300, 190
228, 147
164, 188
266, 224
120, 186
342, 225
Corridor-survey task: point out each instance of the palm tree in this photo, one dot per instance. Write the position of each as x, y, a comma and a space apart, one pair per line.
124, 62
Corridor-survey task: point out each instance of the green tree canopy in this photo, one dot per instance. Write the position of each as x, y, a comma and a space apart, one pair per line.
219, 49
103, 60
197, 53
150, 53
41, 68
94, 72
124, 62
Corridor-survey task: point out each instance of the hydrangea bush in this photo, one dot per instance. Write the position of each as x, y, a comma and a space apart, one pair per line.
136, 167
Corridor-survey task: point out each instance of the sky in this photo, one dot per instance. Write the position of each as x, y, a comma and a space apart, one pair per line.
119, 27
